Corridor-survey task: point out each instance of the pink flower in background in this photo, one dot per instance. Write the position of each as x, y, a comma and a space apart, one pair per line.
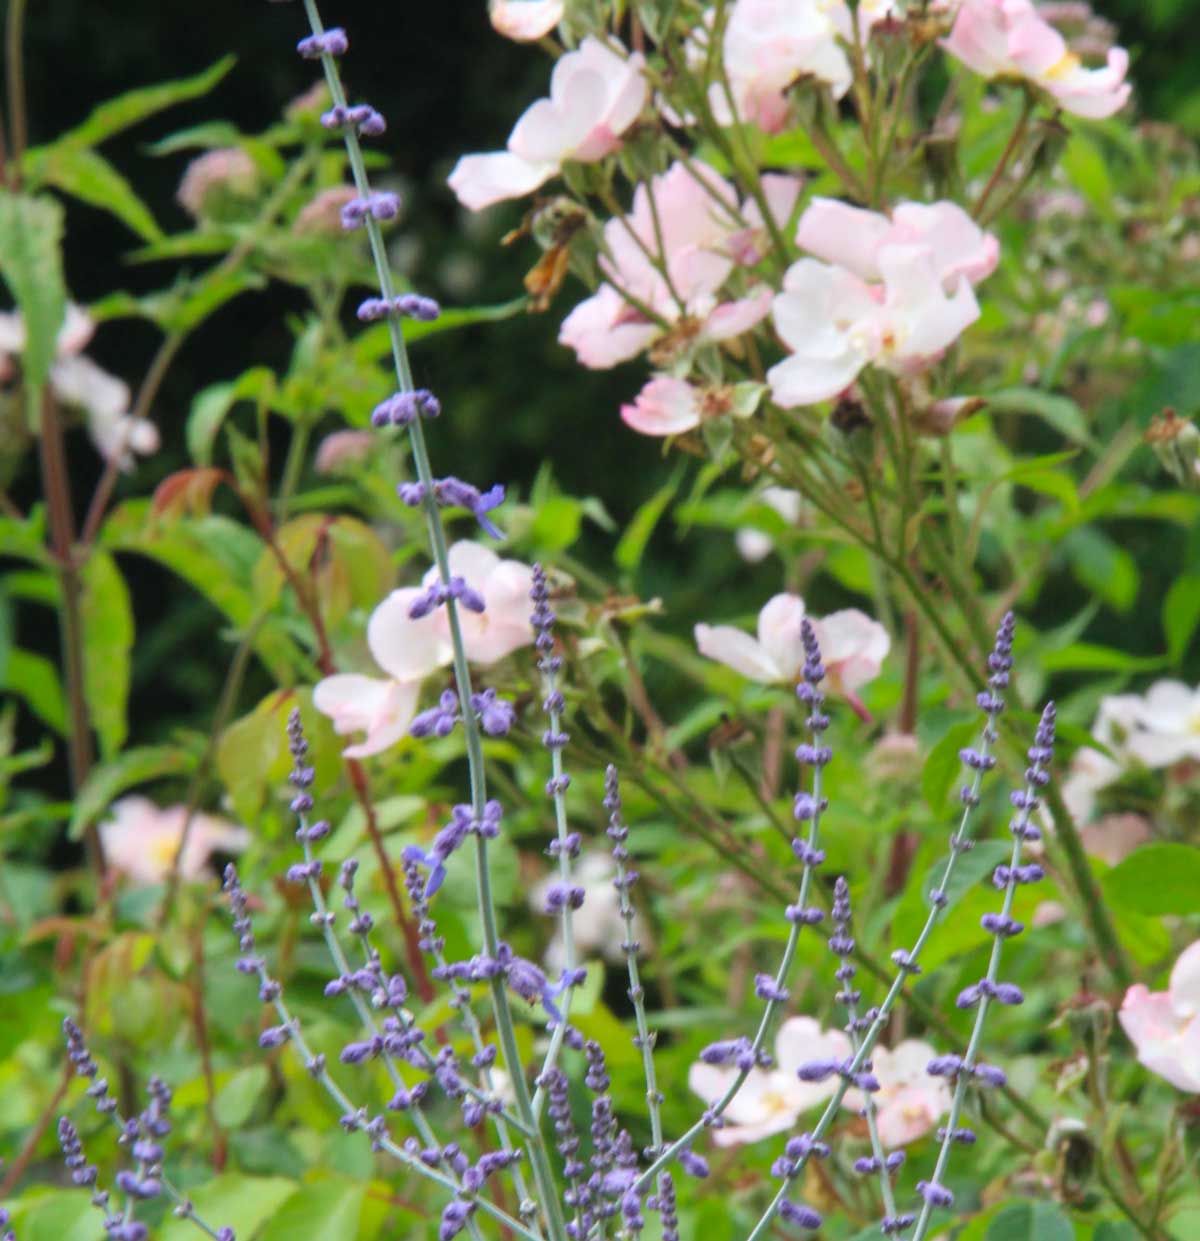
772, 1100
141, 840
342, 448
525, 20
225, 170
77, 381
410, 650
595, 96
1009, 38
768, 45
909, 1103
853, 646
1156, 730
1164, 1026
834, 324
854, 238
695, 229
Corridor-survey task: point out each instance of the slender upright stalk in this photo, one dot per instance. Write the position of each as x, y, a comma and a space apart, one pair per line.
534, 1145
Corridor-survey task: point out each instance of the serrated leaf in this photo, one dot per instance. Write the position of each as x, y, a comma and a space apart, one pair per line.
108, 626
115, 115
110, 779
92, 179
31, 264
35, 679
1157, 879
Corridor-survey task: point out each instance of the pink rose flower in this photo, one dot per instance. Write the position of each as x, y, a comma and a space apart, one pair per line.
835, 323
768, 44
772, 1100
525, 20
1009, 38
141, 840
595, 96
854, 238
909, 1103
410, 650
695, 229
853, 646
1164, 1026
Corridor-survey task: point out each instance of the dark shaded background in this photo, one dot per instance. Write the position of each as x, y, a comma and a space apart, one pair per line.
447, 85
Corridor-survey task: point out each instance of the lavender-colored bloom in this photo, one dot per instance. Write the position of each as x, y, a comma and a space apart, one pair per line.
438, 721
331, 42
800, 1215
935, 1194
693, 1164
454, 1218
361, 117
402, 408
766, 988
377, 205
496, 715
664, 1203
451, 492
729, 1051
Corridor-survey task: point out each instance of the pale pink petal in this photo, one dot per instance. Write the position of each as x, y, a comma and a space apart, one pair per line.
846, 236
525, 20
470, 560
206, 836
599, 334
736, 318
77, 329
738, 650
801, 1039
478, 181
924, 321
407, 649
1184, 988
779, 634
383, 709
552, 130
978, 37
1168, 706
853, 648
910, 1112
960, 246
665, 406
